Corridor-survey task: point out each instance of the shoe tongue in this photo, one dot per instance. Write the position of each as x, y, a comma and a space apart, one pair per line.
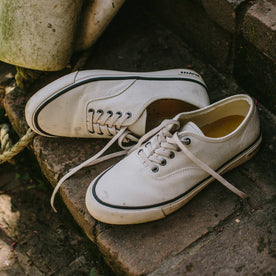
191, 127
139, 127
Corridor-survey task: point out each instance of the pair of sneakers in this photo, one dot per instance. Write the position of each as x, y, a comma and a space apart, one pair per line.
175, 142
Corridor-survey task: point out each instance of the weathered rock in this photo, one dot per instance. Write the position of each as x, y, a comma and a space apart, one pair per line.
140, 249
189, 20
15, 104
38, 35
6, 71
259, 27
56, 157
245, 246
223, 12
255, 72
175, 243
95, 17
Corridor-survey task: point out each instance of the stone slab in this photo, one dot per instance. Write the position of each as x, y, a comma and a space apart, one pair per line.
244, 243
234, 36
245, 246
255, 72
259, 27
141, 249
193, 217
223, 12
127, 255
38, 35
189, 20
57, 156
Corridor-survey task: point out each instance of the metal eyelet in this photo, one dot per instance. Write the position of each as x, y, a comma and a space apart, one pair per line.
129, 114
119, 113
155, 169
100, 133
100, 111
91, 110
109, 112
91, 132
139, 151
178, 150
172, 155
186, 140
163, 162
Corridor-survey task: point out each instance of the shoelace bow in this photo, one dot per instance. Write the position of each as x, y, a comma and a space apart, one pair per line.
163, 144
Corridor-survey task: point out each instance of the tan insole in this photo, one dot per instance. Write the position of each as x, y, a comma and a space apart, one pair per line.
222, 126
165, 109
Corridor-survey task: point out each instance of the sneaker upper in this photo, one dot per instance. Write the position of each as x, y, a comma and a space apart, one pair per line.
159, 172
97, 103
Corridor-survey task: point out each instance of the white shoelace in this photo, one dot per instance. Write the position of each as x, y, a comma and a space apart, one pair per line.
121, 136
108, 123
162, 145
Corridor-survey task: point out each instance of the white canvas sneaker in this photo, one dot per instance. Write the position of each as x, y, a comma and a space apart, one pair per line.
98, 103
187, 153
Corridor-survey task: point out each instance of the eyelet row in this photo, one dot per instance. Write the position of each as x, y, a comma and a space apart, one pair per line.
171, 156
129, 114
91, 110
93, 132
163, 162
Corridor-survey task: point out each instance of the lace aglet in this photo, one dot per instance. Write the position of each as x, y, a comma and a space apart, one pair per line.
52, 204
244, 196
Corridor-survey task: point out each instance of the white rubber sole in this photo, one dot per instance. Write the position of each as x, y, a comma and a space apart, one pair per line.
111, 215
52, 90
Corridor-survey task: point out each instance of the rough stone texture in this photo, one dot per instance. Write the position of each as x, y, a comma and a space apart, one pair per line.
15, 104
95, 17
232, 35
245, 243
223, 12
259, 27
33, 239
256, 73
38, 35
189, 20
140, 249
5, 72
202, 232
245, 246
255, 61
56, 157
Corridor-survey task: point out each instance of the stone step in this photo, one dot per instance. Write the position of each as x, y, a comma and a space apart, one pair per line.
236, 36
195, 233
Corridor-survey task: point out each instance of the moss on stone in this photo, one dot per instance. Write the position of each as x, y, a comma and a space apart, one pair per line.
6, 27
24, 77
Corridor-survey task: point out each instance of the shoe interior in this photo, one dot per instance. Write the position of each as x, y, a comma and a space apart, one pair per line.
221, 120
222, 126
165, 109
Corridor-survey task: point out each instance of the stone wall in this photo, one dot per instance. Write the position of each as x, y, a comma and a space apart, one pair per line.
238, 37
